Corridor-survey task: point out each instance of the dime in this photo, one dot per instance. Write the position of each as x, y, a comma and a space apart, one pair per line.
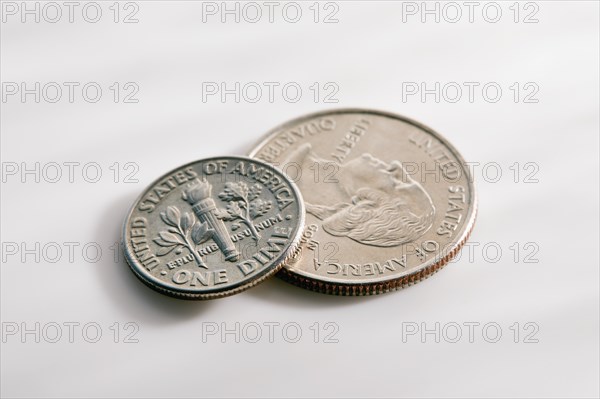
388, 200
213, 228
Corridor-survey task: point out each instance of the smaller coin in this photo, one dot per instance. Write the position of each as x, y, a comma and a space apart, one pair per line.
213, 228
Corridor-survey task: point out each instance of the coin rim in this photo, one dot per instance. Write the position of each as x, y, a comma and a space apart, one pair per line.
382, 284
156, 284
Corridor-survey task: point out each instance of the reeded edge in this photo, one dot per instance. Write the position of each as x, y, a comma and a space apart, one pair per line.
329, 286
282, 259
365, 289
290, 253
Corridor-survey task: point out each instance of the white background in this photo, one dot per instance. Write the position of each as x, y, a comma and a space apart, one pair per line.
369, 53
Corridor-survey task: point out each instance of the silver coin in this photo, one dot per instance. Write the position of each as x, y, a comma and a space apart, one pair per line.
213, 228
388, 200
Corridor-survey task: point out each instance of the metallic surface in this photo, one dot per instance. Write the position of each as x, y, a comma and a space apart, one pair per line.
213, 228
388, 200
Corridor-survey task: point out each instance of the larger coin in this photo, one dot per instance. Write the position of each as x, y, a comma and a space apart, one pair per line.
213, 228
388, 200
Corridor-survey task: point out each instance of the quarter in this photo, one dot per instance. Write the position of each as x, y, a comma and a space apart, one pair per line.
388, 200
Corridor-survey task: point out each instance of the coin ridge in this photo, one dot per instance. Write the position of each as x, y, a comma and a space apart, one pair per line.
367, 289
290, 252
373, 288
293, 250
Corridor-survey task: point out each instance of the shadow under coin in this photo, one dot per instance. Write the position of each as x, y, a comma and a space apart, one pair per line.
126, 290
282, 293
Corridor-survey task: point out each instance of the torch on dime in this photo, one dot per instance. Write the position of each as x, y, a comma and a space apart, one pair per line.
388, 200
213, 228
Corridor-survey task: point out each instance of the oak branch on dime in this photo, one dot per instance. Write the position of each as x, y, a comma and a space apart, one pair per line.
244, 205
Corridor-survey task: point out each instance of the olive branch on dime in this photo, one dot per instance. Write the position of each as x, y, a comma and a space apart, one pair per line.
183, 232
243, 205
